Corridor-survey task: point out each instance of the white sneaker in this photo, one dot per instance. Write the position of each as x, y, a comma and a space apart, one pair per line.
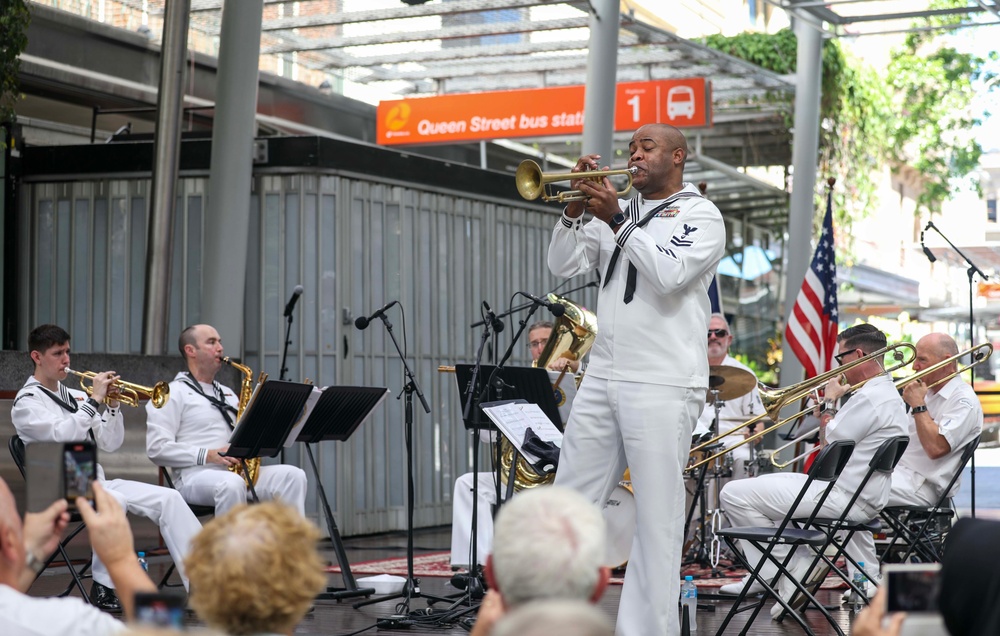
734, 589
870, 591
788, 591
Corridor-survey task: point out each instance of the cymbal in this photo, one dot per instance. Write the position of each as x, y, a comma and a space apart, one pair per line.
731, 382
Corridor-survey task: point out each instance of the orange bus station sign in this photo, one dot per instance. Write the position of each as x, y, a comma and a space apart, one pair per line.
538, 112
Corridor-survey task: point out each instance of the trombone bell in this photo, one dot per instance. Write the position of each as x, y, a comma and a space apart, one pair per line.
532, 183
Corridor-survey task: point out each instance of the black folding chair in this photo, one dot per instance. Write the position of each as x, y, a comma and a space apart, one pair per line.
16, 447
921, 530
883, 461
198, 510
826, 468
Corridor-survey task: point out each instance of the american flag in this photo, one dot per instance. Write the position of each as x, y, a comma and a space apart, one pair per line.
812, 328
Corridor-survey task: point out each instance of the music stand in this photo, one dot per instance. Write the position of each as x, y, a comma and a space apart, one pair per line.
266, 423
336, 415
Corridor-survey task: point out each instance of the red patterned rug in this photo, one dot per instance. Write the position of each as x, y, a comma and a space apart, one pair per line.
439, 564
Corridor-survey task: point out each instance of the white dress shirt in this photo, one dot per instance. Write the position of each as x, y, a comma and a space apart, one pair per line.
23, 615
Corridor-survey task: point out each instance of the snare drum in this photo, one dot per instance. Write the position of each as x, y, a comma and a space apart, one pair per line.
619, 516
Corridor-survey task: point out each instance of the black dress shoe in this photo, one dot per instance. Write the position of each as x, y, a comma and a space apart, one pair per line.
104, 598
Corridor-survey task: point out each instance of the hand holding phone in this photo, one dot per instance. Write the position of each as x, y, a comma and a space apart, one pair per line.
159, 609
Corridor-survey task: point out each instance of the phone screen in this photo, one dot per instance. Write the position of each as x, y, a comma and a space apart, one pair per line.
162, 610
79, 471
913, 590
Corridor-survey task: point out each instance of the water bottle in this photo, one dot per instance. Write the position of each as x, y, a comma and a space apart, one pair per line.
142, 562
689, 599
861, 582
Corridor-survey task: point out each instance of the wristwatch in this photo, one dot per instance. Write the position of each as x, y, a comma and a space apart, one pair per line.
91, 401
33, 563
919, 409
617, 220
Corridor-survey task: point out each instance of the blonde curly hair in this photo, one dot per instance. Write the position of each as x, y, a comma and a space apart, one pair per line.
255, 569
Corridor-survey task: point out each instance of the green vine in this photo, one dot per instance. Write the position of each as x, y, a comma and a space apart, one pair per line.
917, 115
14, 18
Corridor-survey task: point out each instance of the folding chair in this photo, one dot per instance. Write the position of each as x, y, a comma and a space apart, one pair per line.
16, 447
198, 510
922, 529
883, 461
826, 468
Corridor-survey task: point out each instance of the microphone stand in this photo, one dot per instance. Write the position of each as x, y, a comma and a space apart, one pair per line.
284, 358
971, 271
411, 588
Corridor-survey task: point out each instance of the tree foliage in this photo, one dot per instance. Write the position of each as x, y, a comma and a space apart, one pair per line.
14, 18
915, 112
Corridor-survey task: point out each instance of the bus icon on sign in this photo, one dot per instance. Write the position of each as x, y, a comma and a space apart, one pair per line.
680, 101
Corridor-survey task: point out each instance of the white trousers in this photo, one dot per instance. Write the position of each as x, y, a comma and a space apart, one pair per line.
461, 519
216, 486
646, 427
765, 500
901, 494
164, 507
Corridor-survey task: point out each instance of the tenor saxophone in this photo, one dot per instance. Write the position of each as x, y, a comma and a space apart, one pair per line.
246, 391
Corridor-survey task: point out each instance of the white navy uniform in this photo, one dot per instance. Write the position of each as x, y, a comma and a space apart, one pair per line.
919, 480
732, 413
23, 615
39, 417
180, 434
646, 381
874, 414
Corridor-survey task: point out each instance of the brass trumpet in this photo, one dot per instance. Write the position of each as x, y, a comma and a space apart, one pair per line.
532, 183
128, 393
775, 400
980, 353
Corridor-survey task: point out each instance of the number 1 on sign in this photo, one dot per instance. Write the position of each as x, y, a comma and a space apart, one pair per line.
634, 103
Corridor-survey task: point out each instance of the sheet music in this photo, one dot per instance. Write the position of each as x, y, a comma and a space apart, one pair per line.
515, 417
304, 416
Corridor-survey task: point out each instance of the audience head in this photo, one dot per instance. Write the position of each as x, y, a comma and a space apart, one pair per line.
549, 543
970, 584
255, 569
555, 618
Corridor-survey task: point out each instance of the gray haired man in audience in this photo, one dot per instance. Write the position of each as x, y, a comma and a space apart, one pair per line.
549, 543
555, 618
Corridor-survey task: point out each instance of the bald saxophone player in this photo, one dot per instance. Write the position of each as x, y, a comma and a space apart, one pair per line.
190, 434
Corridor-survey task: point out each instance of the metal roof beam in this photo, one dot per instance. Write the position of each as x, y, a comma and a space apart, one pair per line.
444, 33
469, 52
903, 15
403, 12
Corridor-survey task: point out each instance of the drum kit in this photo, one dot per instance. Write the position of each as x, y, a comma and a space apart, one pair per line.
725, 383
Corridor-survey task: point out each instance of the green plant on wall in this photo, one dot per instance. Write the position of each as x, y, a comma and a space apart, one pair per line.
14, 18
916, 112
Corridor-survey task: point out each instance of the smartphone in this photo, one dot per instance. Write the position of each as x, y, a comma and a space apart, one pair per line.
912, 587
57, 470
160, 609
79, 471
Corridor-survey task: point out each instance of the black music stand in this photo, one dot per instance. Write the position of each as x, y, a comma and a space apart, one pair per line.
336, 415
266, 423
509, 383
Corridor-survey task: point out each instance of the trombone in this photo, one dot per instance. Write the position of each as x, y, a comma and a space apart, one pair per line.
775, 400
532, 183
980, 353
128, 393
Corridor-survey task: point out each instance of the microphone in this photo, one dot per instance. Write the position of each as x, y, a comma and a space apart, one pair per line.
556, 308
362, 322
927, 251
491, 318
294, 299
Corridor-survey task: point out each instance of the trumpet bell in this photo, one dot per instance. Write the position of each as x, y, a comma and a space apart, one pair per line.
528, 180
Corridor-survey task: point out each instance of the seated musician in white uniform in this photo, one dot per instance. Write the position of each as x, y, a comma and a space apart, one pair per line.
461, 516
734, 411
873, 415
190, 434
46, 410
